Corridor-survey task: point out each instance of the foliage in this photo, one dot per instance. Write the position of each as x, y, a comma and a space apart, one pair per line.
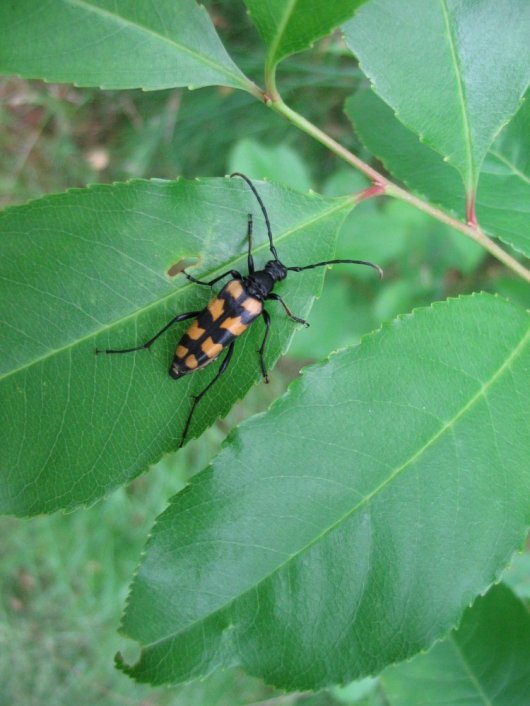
493, 641
348, 527
255, 535
465, 88
503, 192
115, 286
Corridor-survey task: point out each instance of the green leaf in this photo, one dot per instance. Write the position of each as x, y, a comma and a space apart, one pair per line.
89, 269
277, 162
354, 692
349, 526
503, 199
339, 317
517, 576
115, 45
344, 181
512, 288
403, 240
485, 662
393, 232
446, 70
396, 298
290, 26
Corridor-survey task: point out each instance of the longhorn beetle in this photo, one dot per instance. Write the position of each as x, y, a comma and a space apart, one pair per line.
230, 313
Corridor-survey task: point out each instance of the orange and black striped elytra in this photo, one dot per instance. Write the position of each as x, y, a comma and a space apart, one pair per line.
224, 319
228, 315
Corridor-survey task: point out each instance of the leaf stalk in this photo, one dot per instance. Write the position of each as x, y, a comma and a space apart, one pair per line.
382, 185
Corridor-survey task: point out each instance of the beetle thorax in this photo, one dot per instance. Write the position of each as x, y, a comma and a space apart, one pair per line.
261, 283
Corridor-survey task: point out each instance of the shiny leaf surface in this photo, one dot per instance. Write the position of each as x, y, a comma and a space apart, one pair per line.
503, 199
290, 26
149, 45
349, 526
485, 661
90, 269
473, 72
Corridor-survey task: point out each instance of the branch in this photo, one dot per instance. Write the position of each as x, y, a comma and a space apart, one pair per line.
382, 185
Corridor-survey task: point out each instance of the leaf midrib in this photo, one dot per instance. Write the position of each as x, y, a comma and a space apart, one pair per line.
172, 42
516, 172
472, 678
284, 21
461, 96
367, 498
347, 203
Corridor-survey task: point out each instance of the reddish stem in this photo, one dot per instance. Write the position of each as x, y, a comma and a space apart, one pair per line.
376, 189
471, 215
470, 228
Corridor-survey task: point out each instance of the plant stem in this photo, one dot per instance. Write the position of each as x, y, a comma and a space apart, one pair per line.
304, 124
385, 186
472, 231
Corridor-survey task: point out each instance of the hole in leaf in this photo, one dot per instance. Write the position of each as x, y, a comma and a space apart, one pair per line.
181, 265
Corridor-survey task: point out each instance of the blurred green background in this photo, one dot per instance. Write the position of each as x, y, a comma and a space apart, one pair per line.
64, 578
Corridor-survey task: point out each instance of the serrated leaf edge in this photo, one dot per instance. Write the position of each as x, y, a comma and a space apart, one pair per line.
131, 670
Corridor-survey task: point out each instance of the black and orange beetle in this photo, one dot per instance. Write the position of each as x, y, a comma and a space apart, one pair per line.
230, 313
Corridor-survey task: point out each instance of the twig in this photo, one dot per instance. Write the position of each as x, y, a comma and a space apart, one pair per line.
382, 185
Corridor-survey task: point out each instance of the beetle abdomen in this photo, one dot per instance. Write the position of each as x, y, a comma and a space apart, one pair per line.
225, 318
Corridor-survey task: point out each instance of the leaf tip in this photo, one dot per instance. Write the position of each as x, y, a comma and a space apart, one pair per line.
131, 670
119, 661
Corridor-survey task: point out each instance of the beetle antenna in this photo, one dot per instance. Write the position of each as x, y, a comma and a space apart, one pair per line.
336, 262
263, 210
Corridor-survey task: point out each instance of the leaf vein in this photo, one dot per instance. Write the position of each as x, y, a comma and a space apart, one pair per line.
335, 208
448, 426
181, 47
461, 96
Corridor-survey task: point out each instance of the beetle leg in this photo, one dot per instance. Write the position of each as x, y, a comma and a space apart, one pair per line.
261, 351
234, 273
276, 297
147, 344
197, 398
